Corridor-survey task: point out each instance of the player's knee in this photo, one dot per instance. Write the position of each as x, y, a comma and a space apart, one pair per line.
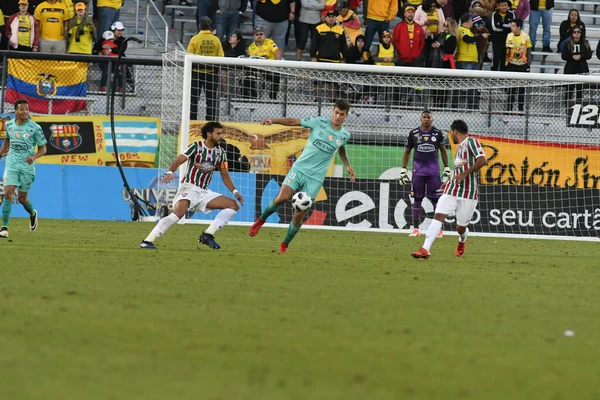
22, 199
235, 207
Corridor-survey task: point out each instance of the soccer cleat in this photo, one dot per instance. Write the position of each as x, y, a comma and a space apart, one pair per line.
209, 240
415, 232
460, 249
4, 232
441, 234
422, 253
33, 221
147, 245
256, 227
283, 248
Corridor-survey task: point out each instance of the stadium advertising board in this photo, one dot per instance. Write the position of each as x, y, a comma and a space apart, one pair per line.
372, 204
541, 164
584, 116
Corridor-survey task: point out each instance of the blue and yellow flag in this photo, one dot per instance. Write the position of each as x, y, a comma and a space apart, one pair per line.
50, 87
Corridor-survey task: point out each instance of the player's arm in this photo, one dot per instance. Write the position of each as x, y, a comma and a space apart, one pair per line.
479, 163
41, 151
5, 147
404, 179
282, 121
344, 158
229, 183
446, 174
170, 174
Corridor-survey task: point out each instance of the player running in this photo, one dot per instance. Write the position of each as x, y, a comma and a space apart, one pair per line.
460, 192
203, 159
327, 138
426, 140
22, 135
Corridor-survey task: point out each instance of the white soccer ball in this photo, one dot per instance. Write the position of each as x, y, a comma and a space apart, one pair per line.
301, 201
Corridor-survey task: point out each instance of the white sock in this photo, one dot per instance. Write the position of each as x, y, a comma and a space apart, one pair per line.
221, 220
462, 237
432, 232
162, 226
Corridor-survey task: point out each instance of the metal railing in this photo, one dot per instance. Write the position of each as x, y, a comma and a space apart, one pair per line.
165, 41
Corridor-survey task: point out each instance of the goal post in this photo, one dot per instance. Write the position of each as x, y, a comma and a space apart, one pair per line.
539, 132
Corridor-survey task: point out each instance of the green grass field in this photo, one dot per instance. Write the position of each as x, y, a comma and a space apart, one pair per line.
85, 314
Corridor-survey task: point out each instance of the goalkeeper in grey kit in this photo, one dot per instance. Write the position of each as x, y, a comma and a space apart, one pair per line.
426, 140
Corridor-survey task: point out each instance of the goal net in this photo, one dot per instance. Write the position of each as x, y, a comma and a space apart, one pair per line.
539, 131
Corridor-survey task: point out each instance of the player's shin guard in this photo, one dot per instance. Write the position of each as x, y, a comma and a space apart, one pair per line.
6, 208
416, 213
271, 208
29, 207
223, 217
162, 226
432, 233
292, 230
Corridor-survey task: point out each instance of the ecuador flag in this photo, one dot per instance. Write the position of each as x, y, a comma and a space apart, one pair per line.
50, 87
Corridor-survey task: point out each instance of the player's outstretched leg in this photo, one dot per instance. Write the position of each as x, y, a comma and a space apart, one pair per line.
462, 241
272, 207
432, 232
161, 227
293, 229
6, 209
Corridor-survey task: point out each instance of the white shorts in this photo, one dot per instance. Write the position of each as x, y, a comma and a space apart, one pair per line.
198, 198
462, 208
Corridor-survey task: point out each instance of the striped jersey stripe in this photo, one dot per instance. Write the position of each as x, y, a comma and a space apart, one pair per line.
202, 162
466, 154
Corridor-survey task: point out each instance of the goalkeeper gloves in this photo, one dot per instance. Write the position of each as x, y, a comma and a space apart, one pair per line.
446, 175
404, 179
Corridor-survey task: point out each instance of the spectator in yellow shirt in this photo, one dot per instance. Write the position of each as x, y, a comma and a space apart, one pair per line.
52, 19
266, 48
81, 32
22, 30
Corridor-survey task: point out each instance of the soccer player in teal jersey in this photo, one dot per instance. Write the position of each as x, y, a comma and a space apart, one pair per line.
22, 135
327, 138
460, 191
203, 158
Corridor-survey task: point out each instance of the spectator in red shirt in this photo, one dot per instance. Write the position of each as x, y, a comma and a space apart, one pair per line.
409, 40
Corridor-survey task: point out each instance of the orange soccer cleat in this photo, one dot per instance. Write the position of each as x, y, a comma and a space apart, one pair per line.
283, 248
440, 234
422, 253
415, 232
460, 249
256, 227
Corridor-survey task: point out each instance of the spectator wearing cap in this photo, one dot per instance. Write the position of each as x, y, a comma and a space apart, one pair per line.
204, 76
117, 29
518, 57
266, 48
501, 23
479, 28
521, 8
541, 10
51, 16
309, 18
81, 33
378, 15
467, 56
274, 16
22, 30
351, 23
109, 48
228, 16
108, 13
385, 52
408, 39
329, 44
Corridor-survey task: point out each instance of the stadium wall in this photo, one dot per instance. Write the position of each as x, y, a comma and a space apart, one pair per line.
96, 193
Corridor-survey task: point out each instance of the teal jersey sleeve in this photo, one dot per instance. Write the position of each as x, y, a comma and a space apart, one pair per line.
40, 139
321, 147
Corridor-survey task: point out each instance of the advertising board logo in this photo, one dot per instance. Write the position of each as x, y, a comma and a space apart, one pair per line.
65, 138
584, 116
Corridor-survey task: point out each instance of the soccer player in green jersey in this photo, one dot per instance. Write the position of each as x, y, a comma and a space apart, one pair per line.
22, 135
327, 138
202, 158
460, 191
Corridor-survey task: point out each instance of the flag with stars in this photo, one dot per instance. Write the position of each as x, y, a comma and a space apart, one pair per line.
136, 140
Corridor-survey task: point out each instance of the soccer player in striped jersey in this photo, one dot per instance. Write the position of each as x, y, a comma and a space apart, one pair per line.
460, 192
203, 158
327, 138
